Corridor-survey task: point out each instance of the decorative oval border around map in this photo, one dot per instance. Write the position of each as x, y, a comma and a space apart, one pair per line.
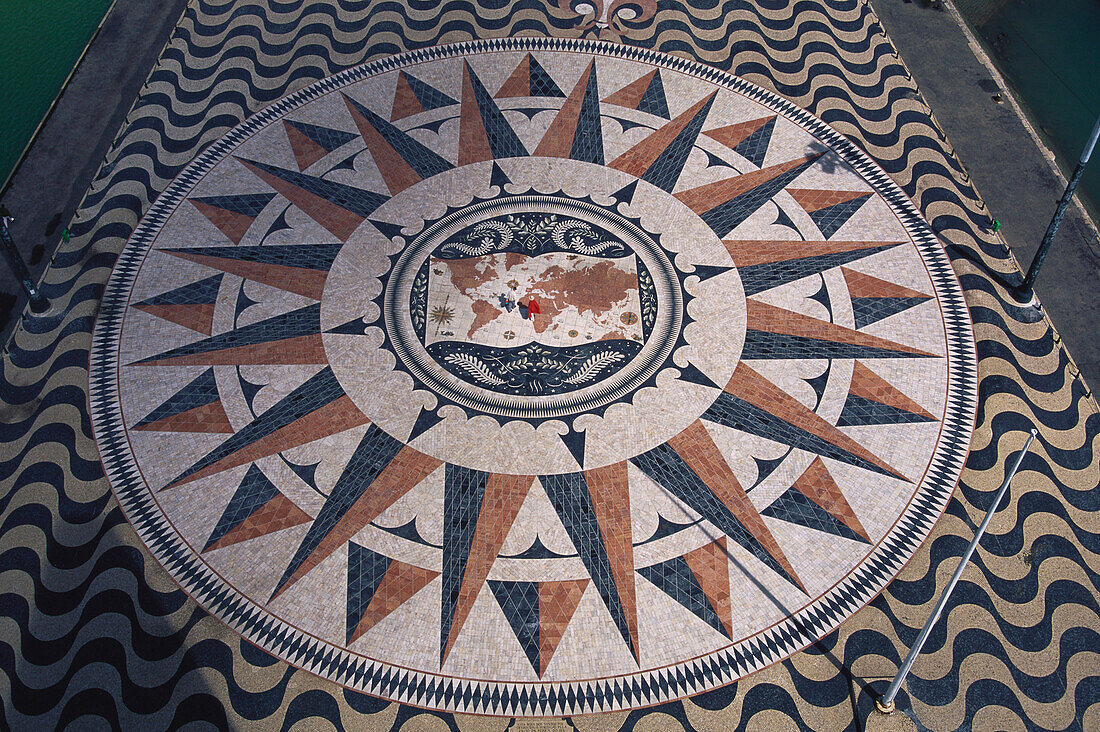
545, 698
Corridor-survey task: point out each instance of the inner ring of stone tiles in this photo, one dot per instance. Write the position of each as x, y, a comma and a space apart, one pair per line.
555, 368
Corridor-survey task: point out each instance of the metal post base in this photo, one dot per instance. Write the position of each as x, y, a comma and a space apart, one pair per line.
887, 708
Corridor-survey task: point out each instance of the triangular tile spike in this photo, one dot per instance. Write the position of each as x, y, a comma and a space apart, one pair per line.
381, 471
829, 210
675, 578
427, 419
388, 230
377, 586
191, 306
818, 485
660, 158
693, 468
520, 603
645, 94
257, 508
557, 603
607, 565
748, 139
873, 400
413, 96
498, 177
626, 193
316, 409
463, 492
774, 332
574, 442
289, 338
764, 264
484, 133
197, 407
402, 160
310, 143
724, 204
503, 497
541, 84
298, 268
337, 207
874, 299
753, 404
710, 565
232, 214
575, 132
695, 376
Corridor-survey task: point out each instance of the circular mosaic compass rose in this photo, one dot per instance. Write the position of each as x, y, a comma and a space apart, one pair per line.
532, 377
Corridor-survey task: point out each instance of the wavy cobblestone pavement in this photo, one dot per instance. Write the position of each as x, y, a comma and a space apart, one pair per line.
94, 632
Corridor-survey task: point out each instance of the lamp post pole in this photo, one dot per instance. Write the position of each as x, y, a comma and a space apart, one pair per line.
1059, 213
885, 703
39, 303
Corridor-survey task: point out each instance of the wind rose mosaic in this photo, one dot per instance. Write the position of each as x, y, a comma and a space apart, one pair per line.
532, 377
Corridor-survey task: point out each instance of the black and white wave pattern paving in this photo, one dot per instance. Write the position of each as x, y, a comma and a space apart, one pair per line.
94, 635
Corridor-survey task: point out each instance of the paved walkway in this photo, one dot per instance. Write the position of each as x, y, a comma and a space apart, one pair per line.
87, 595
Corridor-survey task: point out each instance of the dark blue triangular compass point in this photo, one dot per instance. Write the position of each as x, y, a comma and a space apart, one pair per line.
665, 466
520, 603
366, 569
503, 140
727, 216
199, 392
665, 170
303, 256
713, 160
388, 230
203, 292
254, 491
782, 218
859, 411
279, 224
666, 527
757, 278
422, 159
248, 204
358, 201
574, 442
463, 489
317, 391
326, 137
653, 100
731, 411
831, 218
818, 383
427, 419
796, 508
754, 148
540, 83
301, 322
588, 137
765, 467
873, 309
375, 451
308, 473
767, 345
498, 177
695, 376
429, 97
822, 296
626, 193
407, 531
675, 578
568, 493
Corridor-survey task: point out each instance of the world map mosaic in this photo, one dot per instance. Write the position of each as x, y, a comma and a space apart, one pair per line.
533, 377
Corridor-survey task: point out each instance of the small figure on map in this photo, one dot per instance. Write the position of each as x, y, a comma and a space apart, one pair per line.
529, 309
507, 302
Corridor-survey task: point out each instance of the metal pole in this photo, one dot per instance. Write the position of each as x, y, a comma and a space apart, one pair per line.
39, 303
885, 703
1059, 214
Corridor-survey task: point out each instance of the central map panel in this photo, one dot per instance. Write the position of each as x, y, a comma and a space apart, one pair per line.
532, 377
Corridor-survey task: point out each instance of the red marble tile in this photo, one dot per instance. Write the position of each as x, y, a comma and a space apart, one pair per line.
818, 485
630, 96
705, 197
710, 565
209, 418
277, 514
747, 252
733, 135
815, 200
869, 385
864, 285
405, 103
519, 83
196, 317
558, 140
398, 585
637, 159
232, 224
397, 173
305, 282
473, 142
306, 151
557, 603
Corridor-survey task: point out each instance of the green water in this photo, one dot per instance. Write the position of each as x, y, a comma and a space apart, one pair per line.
40, 41
1050, 51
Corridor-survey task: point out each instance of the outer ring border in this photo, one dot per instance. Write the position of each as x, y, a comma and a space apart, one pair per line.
640, 689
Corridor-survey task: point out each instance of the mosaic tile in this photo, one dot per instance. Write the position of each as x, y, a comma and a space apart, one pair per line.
443, 382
